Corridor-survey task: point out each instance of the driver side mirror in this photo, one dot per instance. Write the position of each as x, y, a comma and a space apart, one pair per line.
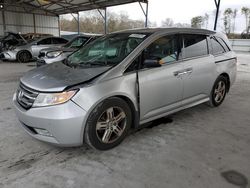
150, 63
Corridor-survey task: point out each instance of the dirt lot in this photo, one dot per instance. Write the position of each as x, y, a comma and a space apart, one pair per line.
192, 151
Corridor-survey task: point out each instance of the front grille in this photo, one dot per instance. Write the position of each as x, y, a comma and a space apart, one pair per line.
41, 54
26, 96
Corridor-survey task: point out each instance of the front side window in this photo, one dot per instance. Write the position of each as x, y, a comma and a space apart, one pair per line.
194, 46
107, 51
164, 50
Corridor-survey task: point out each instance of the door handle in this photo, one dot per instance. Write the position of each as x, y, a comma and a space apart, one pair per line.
179, 73
185, 71
189, 70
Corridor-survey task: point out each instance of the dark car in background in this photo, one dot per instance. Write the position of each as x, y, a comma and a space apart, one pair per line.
55, 54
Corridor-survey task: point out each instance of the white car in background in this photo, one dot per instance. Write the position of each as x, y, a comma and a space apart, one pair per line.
56, 54
29, 51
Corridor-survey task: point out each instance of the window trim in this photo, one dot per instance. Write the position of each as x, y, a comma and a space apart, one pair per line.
219, 54
224, 43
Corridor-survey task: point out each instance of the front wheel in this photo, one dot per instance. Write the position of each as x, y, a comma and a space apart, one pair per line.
219, 91
108, 124
23, 57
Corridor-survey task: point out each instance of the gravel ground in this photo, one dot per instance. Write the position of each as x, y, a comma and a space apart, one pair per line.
194, 150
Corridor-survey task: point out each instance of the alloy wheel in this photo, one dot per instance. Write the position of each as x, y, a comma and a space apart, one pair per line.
220, 91
111, 125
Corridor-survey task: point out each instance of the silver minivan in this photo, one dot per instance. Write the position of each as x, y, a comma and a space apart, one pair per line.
121, 81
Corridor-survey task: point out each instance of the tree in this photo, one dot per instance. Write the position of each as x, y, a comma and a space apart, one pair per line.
246, 12
168, 22
181, 25
206, 19
197, 21
92, 22
228, 14
234, 17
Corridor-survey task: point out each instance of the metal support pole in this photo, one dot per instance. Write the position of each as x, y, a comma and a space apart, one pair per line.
59, 25
145, 13
217, 4
4, 25
105, 19
146, 22
78, 23
34, 22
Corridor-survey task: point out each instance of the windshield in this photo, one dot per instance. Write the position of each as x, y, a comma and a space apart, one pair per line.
76, 42
108, 50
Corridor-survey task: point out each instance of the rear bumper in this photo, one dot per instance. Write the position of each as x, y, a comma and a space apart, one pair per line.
64, 122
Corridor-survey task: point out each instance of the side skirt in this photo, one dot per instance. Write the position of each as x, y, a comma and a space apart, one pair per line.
173, 111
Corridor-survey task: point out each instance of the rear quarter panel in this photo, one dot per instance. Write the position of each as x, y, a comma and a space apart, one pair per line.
227, 63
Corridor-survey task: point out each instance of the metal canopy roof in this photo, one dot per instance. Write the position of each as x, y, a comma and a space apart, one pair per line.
58, 7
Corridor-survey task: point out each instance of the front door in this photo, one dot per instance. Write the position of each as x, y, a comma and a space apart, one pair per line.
160, 88
42, 44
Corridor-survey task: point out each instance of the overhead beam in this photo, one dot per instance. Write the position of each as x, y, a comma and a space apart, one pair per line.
97, 4
27, 8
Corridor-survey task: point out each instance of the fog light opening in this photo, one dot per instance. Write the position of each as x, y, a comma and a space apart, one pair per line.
43, 132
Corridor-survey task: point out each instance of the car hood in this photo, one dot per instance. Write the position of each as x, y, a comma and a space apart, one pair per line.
56, 77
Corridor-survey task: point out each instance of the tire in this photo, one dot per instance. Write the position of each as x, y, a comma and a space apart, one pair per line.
218, 92
103, 131
23, 57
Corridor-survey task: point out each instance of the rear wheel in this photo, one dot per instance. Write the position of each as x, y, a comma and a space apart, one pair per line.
219, 91
108, 124
23, 57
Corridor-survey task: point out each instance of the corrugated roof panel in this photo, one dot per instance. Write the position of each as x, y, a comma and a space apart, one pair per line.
63, 7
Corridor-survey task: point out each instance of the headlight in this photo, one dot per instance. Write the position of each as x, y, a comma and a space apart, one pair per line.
53, 54
48, 99
12, 47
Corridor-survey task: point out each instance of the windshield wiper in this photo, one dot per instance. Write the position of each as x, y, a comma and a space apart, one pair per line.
66, 62
97, 63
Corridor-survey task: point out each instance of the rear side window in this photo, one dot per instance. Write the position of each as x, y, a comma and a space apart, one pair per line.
44, 41
194, 46
217, 46
223, 43
59, 41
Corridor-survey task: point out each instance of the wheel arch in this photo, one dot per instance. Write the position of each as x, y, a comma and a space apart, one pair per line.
24, 50
135, 113
226, 75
